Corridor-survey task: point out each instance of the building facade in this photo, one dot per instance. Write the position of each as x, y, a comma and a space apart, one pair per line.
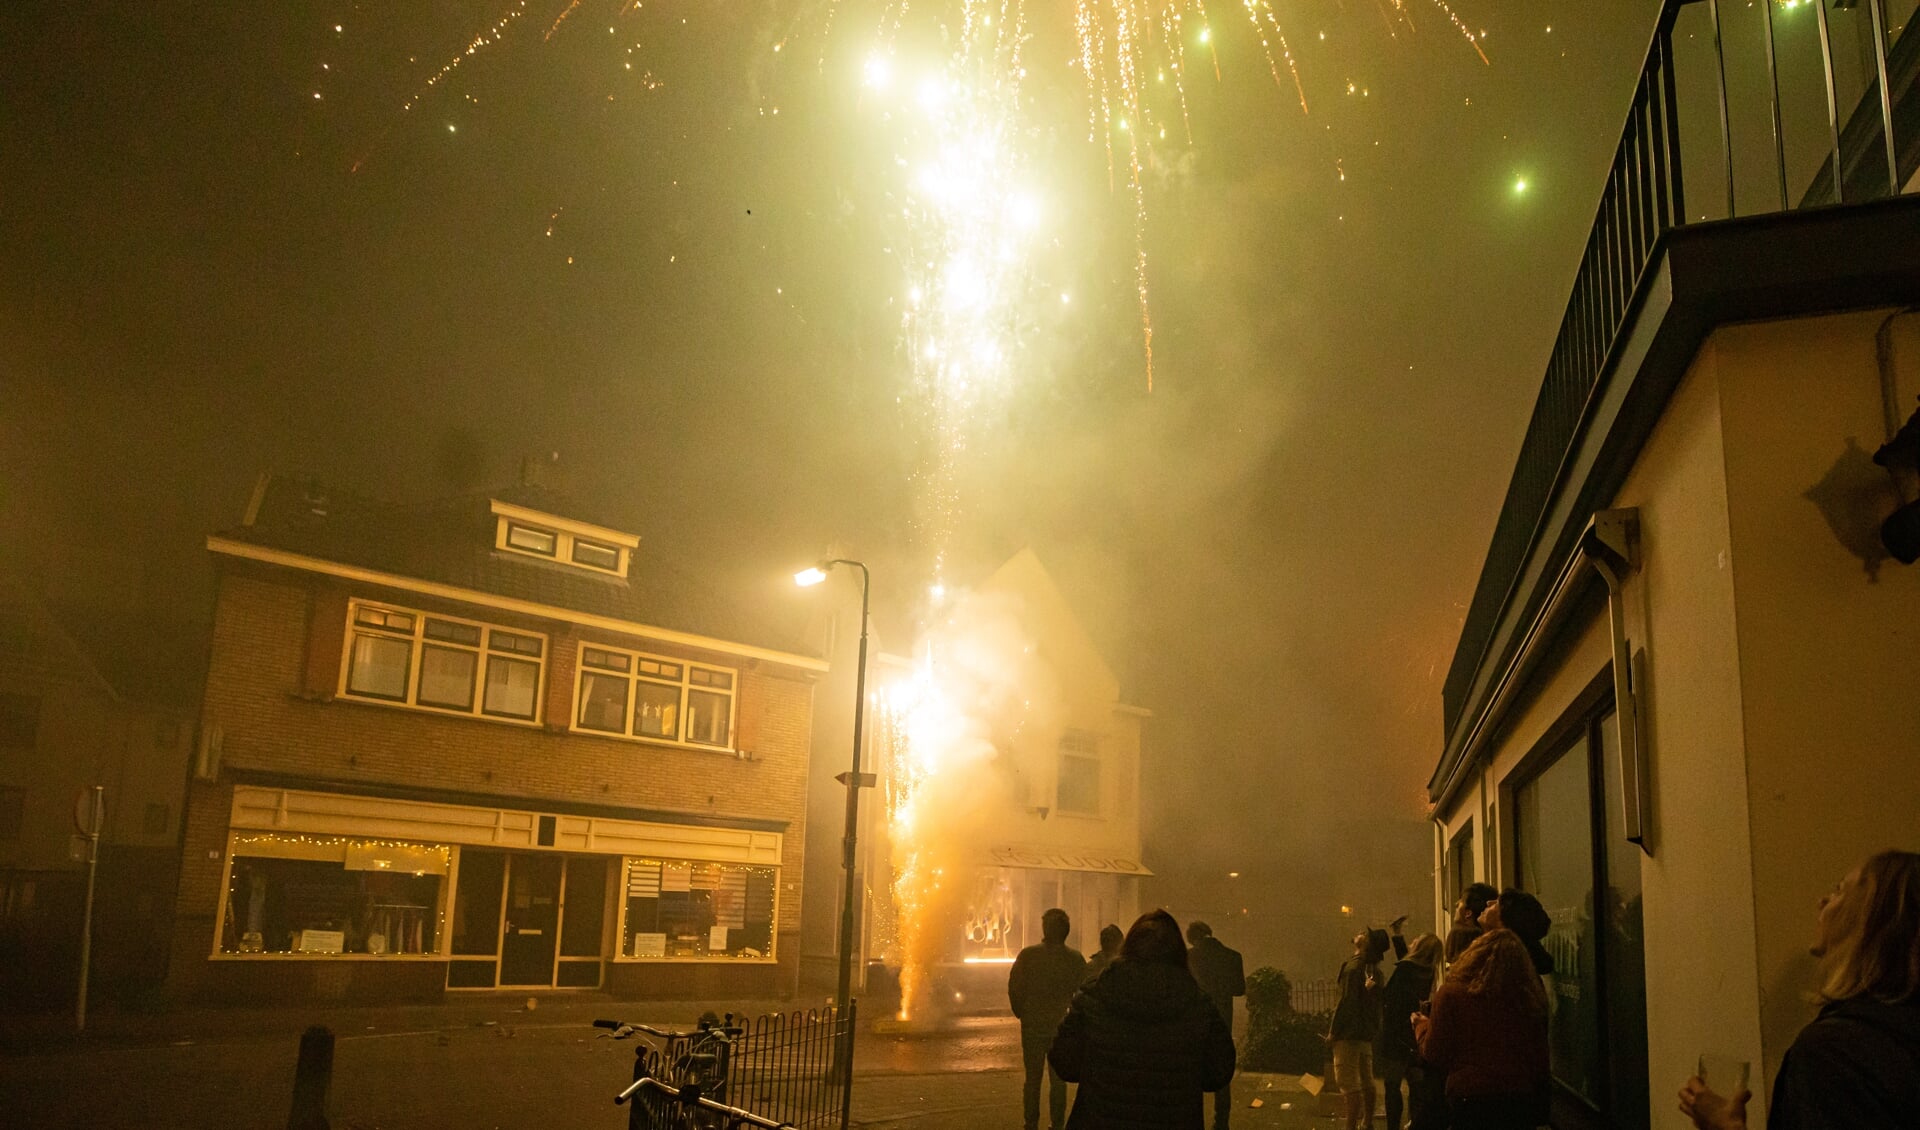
70, 722
1068, 833
1683, 701
485, 745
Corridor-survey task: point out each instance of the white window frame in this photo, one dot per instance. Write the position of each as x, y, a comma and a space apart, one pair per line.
483, 653
634, 678
1083, 745
564, 541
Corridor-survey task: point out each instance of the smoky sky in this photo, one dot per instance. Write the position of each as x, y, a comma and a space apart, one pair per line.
208, 272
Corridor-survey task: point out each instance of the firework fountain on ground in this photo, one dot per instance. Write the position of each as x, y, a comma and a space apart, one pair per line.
950, 734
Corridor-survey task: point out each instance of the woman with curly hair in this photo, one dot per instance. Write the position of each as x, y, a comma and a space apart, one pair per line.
1488, 1033
1858, 1064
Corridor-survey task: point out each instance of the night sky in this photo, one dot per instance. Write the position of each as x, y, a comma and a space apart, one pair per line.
207, 271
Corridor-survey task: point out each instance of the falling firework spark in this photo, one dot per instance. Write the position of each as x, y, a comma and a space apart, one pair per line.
1124, 49
484, 39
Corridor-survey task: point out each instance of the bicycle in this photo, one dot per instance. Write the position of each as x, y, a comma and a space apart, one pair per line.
682, 1083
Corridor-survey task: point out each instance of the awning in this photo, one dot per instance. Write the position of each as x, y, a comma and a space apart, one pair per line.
1065, 859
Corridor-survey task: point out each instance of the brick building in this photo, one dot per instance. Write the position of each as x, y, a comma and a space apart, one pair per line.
485, 744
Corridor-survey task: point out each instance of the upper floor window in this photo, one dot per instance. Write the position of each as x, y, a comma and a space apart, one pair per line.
595, 556
436, 662
649, 696
557, 539
532, 539
1079, 788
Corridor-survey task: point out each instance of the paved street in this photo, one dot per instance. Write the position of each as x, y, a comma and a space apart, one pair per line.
485, 1065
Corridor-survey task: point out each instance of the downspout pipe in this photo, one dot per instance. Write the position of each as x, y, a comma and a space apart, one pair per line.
1610, 548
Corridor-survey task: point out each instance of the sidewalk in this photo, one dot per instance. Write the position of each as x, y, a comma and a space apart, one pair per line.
45, 1033
953, 1102
490, 1061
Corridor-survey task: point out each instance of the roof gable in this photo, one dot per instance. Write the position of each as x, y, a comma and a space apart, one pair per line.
1057, 632
452, 542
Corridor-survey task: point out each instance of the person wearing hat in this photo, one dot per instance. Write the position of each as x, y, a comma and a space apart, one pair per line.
1356, 1021
1522, 913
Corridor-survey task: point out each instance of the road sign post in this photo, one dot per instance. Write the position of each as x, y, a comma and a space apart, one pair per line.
89, 815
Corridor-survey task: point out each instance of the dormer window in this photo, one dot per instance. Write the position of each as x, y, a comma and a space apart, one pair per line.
596, 556
563, 541
531, 539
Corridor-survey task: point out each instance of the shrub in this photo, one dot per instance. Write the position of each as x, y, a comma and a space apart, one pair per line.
1278, 1038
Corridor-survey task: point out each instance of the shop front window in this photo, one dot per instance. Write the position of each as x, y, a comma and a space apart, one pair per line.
680, 910
991, 932
317, 896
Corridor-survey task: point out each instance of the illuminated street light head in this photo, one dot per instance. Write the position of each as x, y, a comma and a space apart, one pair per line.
808, 577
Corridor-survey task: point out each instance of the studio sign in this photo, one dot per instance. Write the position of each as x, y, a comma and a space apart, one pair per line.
1065, 860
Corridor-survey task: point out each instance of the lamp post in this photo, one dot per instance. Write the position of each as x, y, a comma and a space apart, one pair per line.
854, 780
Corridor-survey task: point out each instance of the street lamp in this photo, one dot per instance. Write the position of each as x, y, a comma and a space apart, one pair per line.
854, 780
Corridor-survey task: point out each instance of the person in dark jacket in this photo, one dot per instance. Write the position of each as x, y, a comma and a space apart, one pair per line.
1039, 987
1858, 1064
1394, 1052
1222, 976
1356, 1023
1110, 939
1488, 1032
1144, 1043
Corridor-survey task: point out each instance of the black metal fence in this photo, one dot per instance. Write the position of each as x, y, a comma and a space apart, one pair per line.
796, 1067
1315, 998
793, 1068
1742, 103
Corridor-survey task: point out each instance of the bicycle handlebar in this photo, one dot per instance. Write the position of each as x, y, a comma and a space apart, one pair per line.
733, 1114
727, 1030
616, 1025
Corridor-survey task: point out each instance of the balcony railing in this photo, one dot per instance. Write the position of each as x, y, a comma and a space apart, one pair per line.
1739, 105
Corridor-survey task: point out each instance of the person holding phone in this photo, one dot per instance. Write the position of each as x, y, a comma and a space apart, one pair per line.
1857, 1066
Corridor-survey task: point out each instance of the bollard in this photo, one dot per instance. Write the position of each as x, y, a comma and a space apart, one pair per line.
312, 1077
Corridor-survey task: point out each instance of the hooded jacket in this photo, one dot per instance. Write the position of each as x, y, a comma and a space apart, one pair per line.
1145, 1044
1856, 1066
